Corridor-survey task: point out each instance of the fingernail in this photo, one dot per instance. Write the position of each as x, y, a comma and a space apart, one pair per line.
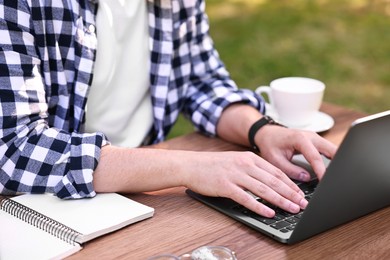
304, 176
303, 203
294, 208
269, 213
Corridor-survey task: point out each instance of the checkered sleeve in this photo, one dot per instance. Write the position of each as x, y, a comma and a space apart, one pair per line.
34, 156
211, 89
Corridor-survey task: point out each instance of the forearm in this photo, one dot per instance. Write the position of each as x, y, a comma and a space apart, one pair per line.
138, 169
235, 122
224, 174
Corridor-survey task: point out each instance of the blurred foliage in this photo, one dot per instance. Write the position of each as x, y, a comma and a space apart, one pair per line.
344, 43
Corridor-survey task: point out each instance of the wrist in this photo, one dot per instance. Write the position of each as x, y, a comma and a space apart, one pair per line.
256, 126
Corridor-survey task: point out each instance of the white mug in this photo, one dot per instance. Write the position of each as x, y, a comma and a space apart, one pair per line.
294, 100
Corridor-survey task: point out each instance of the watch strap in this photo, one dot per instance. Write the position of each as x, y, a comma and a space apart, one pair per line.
265, 120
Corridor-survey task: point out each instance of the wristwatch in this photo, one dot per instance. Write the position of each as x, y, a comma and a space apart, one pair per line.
265, 120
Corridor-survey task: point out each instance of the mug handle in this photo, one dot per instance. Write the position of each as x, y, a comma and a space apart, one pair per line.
261, 90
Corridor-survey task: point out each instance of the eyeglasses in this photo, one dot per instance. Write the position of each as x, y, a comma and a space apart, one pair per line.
201, 253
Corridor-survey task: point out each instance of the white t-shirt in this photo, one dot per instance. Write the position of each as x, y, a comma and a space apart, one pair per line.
119, 103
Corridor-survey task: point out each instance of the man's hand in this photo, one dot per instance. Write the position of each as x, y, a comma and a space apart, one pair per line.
278, 145
231, 174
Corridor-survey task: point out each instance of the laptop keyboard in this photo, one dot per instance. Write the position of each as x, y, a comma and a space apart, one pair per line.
283, 220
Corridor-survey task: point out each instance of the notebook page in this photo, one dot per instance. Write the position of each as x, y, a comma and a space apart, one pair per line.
92, 217
19, 240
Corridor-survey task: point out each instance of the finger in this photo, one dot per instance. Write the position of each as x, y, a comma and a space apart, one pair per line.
292, 170
325, 147
248, 201
275, 191
274, 171
276, 198
312, 155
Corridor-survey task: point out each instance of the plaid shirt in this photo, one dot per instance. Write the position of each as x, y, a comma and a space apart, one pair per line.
47, 52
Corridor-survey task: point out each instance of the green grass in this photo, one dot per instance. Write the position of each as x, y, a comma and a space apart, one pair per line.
346, 44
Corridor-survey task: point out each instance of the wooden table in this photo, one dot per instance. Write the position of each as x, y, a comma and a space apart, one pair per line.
181, 224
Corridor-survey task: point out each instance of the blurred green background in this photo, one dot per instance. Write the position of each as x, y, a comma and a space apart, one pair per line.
344, 43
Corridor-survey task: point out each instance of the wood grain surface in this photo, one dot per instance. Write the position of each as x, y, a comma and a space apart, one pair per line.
181, 224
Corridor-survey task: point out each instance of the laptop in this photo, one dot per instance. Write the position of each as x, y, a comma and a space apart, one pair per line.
356, 183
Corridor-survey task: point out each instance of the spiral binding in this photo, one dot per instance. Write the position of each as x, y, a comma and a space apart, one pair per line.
39, 220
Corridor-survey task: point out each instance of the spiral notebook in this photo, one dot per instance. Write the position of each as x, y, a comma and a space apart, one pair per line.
42, 226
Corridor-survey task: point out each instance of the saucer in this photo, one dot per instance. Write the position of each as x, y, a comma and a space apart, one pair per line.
321, 122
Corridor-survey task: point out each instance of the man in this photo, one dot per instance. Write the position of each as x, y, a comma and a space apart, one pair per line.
148, 61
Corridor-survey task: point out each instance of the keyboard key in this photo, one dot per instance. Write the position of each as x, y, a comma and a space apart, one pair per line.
278, 216
238, 207
267, 221
285, 213
292, 220
299, 215
290, 227
280, 224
